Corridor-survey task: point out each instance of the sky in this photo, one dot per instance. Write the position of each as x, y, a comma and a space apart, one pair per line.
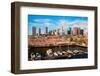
55, 22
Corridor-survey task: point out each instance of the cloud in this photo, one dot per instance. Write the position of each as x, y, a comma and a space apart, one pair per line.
76, 23
79, 23
32, 23
62, 23
47, 23
42, 20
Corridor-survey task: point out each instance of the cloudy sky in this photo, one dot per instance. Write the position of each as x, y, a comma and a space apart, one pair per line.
55, 22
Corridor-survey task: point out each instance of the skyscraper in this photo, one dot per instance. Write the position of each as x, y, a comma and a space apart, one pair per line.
39, 31
34, 31
58, 31
76, 30
64, 30
81, 31
69, 31
46, 30
63, 27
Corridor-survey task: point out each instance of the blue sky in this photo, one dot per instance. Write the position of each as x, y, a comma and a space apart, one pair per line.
54, 22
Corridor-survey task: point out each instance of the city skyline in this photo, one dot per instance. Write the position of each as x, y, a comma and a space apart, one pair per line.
55, 22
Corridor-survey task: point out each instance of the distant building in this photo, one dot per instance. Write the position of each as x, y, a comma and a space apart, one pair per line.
34, 31
63, 29
46, 30
50, 32
85, 34
69, 31
81, 32
58, 31
39, 31
76, 31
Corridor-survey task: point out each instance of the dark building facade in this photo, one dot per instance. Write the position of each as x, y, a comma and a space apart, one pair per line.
81, 32
69, 31
39, 31
46, 30
34, 31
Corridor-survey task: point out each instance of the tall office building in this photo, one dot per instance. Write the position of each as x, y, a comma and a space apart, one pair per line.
46, 30
34, 31
39, 31
63, 28
63, 33
69, 31
76, 31
81, 32
58, 31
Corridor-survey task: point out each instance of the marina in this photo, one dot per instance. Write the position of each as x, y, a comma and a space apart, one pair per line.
57, 52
